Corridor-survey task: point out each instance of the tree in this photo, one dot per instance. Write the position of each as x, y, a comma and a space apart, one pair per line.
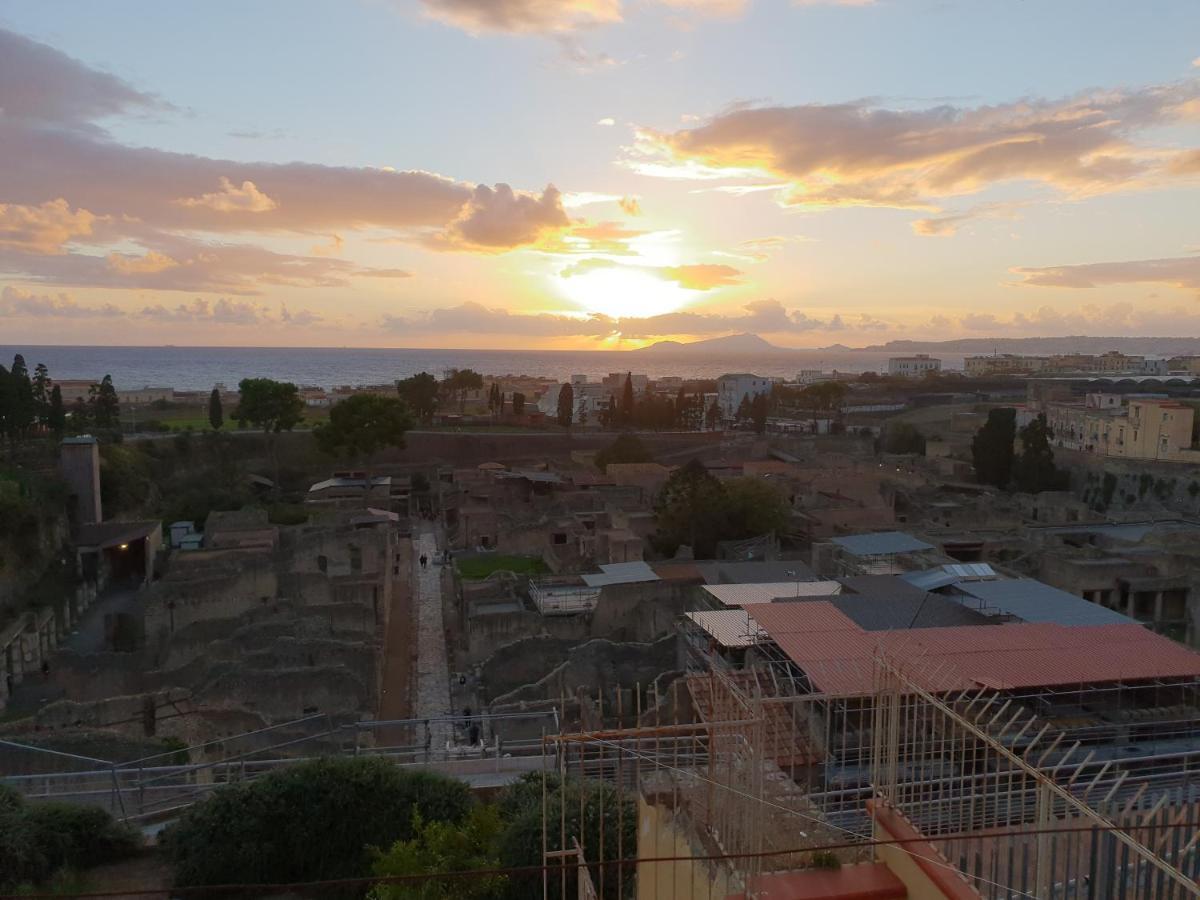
566, 405
420, 392
758, 412
42, 385
309, 821
743, 410
23, 409
362, 424
627, 401
992, 447
459, 382
518, 401
753, 507
712, 417
441, 847
901, 437
105, 407
689, 509
1033, 470
627, 448
56, 418
81, 415
826, 396
602, 817
273, 406
216, 416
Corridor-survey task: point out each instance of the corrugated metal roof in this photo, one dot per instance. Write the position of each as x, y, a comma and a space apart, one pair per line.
620, 573
729, 627
739, 594
883, 543
1036, 601
837, 655
930, 579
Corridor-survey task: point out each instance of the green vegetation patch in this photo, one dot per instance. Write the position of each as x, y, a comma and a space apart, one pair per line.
480, 567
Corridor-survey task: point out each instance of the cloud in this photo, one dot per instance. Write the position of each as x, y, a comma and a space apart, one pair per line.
860, 154
1115, 318
701, 277
696, 277
1185, 163
631, 206
523, 16
500, 219
39, 84
948, 225
764, 316
147, 263
21, 303
1179, 271
722, 8
607, 121
177, 263
44, 228
385, 273
230, 198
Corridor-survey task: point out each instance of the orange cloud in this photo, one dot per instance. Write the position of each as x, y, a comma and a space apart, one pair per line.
529, 16
16, 302
854, 154
631, 206
1180, 272
498, 219
231, 198
701, 277
43, 229
138, 265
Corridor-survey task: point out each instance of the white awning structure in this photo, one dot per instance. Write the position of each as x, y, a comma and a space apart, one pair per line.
742, 594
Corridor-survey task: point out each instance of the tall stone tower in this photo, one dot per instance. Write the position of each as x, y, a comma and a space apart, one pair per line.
79, 463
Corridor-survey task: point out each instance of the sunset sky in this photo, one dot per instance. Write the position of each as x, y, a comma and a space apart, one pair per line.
596, 173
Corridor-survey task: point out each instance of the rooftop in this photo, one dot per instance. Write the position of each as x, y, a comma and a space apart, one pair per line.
728, 627
1035, 601
741, 594
837, 654
620, 573
882, 543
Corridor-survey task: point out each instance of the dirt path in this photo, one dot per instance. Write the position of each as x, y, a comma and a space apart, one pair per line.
399, 651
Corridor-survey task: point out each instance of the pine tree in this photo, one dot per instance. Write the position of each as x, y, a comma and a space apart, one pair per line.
992, 447
56, 417
106, 408
627, 402
712, 418
566, 405
216, 416
24, 409
42, 384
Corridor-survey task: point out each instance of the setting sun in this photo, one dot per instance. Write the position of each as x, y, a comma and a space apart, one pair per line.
622, 291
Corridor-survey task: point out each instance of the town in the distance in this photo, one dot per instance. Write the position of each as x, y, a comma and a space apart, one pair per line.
915, 632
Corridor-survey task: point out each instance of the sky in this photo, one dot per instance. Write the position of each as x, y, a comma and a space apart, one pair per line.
596, 174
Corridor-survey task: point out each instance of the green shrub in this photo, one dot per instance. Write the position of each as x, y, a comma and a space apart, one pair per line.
311, 821
38, 840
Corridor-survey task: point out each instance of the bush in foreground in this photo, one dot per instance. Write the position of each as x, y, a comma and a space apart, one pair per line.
38, 840
308, 822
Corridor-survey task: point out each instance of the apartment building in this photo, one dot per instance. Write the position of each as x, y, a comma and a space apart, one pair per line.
732, 388
1138, 426
913, 366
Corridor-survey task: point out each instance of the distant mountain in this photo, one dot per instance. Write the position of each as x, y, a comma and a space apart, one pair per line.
732, 343
1145, 346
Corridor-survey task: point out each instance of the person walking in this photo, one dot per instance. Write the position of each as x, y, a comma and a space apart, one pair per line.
424, 560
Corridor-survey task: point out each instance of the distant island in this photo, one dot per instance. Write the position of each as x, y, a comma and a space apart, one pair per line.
753, 343
732, 343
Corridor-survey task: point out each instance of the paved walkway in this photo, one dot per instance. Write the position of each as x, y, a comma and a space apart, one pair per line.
432, 696
399, 655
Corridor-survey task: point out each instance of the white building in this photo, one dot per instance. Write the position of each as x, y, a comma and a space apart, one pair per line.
733, 388
913, 366
590, 397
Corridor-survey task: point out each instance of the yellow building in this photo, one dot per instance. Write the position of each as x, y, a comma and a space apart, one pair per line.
1153, 428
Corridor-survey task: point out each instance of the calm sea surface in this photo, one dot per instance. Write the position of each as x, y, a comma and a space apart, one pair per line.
199, 368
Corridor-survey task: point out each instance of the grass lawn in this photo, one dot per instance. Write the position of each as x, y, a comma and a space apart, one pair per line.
481, 567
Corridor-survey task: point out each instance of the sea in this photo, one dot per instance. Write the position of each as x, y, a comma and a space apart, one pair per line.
200, 368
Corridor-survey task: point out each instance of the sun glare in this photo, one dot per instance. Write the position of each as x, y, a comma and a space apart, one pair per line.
623, 291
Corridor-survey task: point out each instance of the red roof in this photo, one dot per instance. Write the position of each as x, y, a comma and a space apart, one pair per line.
838, 655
